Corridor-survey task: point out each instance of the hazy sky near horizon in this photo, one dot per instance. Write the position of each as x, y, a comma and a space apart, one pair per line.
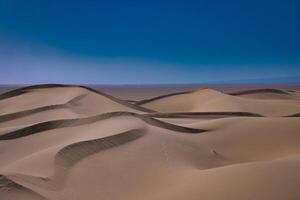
144, 42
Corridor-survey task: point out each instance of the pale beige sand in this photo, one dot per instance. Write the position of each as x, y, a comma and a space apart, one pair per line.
209, 100
73, 143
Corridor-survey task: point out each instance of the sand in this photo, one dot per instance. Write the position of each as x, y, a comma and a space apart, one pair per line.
67, 142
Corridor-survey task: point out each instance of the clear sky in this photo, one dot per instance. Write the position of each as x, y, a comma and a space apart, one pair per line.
144, 42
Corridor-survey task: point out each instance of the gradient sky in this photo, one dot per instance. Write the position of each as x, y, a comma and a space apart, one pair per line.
144, 42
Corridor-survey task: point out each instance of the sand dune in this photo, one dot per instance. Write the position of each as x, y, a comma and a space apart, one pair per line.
45, 126
208, 100
267, 94
78, 97
61, 142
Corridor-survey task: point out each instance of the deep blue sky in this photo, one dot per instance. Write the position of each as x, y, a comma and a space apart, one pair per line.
140, 42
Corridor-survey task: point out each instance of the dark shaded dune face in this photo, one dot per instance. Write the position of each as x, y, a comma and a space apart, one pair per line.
12, 94
61, 142
203, 115
11, 190
267, 94
6, 184
267, 90
294, 115
71, 154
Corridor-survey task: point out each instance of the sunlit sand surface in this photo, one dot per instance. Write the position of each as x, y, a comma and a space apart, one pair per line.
65, 142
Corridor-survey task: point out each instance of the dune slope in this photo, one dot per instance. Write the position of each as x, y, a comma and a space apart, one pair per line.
264, 102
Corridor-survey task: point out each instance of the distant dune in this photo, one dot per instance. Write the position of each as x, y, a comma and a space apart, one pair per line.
268, 102
68, 142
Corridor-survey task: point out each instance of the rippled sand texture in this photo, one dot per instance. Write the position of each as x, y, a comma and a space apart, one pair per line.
63, 142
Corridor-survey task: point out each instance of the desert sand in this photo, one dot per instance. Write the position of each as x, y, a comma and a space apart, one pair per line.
67, 142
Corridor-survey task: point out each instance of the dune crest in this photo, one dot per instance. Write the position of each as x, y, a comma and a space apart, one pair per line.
60, 142
209, 100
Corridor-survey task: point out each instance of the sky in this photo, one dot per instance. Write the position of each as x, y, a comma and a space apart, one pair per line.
149, 42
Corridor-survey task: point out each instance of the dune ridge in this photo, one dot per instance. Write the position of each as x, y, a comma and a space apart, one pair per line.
265, 90
12, 116
40, 127
236, 93
203, 114
141, 102
209, 100
62, 142
26, 90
